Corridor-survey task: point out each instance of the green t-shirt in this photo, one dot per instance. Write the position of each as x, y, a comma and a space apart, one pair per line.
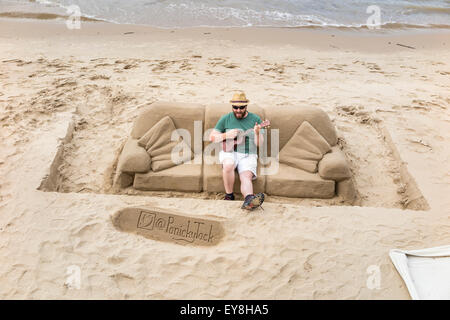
229, 121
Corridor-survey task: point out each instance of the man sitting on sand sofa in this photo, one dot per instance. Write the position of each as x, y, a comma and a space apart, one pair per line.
298, 157
239, 149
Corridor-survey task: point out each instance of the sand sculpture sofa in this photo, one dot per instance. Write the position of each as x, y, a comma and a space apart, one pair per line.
311, 164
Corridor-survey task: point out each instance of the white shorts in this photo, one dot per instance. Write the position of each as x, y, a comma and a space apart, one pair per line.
243, 162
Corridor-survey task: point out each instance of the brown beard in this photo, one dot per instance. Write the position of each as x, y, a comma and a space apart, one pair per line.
242, 114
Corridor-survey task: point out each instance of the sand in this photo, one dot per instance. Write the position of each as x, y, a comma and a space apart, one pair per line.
72, 95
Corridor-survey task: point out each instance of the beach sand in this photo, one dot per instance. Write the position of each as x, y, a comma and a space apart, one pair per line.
72, 95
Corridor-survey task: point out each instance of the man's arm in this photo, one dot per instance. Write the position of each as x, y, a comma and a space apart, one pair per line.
259, 139
219, 133
217, 136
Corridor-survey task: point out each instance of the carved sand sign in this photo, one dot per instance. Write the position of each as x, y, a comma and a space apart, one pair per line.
166, 225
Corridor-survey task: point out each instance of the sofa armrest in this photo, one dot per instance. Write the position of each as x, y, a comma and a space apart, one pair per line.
347, 191
334, 166
133, 158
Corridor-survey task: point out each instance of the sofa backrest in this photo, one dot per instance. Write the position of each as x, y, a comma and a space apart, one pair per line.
288, 118
182, 114
284, 118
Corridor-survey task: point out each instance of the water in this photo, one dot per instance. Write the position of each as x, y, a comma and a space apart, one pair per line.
280, 13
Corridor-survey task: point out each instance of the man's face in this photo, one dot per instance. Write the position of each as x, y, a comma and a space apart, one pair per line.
239, 111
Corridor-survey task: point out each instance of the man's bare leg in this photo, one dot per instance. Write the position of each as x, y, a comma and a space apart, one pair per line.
246, 183
228, 175
251, 201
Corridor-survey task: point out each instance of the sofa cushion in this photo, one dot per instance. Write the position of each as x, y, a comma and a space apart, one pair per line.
160, 146
213, 181
304, 149
133, 158
292, 182
334, 166
185, 177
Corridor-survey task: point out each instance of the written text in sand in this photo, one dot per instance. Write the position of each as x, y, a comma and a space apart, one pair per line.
166, 225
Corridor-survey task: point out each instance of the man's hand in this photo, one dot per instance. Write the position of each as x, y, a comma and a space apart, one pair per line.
231, 134
257, 128
217, 136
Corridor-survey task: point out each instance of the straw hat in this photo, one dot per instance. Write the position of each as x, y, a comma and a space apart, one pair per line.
239, 99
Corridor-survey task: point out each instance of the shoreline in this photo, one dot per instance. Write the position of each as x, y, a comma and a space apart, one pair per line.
386, 27
314, 39
309, 20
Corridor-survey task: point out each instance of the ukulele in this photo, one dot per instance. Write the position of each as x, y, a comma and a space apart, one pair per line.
229, 145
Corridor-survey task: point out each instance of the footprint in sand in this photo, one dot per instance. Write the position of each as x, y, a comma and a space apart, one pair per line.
99, 77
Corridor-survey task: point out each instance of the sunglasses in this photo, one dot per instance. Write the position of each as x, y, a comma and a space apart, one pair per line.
240, 108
